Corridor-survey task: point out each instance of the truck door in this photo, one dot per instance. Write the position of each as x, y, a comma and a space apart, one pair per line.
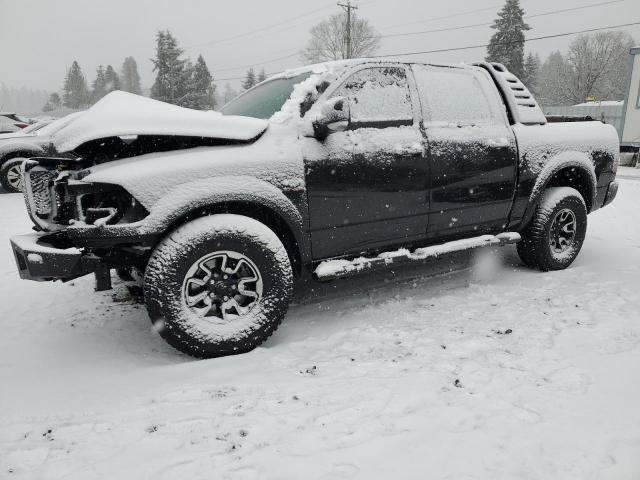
367, 186
472, 151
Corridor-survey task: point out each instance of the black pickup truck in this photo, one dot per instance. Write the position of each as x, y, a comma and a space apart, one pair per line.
330, 170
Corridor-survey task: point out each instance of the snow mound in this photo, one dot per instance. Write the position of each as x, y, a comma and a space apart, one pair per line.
122, 113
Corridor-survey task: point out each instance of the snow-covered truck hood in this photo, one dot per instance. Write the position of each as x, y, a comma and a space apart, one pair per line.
124, 114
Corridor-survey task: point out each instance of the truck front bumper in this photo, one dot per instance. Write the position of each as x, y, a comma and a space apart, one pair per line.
39, 260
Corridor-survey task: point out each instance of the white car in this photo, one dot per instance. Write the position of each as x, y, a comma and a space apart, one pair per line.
10, 122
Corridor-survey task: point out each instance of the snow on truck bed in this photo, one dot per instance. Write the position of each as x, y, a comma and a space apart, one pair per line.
519, 375
121, 113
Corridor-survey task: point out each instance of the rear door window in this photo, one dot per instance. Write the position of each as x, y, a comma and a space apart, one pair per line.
457, 96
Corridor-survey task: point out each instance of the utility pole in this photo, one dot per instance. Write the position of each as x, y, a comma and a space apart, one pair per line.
347, 8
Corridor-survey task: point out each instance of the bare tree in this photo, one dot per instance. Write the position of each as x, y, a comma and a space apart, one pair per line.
329, 39
596, 65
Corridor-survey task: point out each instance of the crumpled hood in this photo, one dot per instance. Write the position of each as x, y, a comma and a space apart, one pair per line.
121, 113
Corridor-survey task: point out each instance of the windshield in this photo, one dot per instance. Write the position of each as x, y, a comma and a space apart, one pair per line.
264, 100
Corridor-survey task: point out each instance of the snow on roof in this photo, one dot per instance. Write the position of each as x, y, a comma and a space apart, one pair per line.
121, 113
335, 65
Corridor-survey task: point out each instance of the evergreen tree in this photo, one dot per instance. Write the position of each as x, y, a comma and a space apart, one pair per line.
54, 100
111, 79
228, 94
171, 76
250, 80
76, 93
507, 44
98, 89
200, 88
531, 77
130, 76
262, 76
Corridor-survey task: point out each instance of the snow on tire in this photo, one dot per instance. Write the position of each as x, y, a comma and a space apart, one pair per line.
218, 285
555, 235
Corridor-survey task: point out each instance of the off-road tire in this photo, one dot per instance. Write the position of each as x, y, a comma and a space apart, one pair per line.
166, 276
535, 248
9, 168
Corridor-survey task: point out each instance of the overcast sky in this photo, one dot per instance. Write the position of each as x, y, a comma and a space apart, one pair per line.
40, 38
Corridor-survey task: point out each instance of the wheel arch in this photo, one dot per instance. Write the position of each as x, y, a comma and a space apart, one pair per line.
272, 219
568, 169
18, 154
245, 196
17, 148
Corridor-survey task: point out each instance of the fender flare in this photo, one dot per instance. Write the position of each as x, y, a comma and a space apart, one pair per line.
200, 195
578, 160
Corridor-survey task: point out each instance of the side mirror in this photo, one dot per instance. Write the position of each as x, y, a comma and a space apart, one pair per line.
334, 116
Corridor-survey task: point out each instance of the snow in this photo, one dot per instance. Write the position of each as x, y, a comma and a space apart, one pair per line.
59, 124
539, 143
121, 113
152, 177
602, 103
523, 375
35, 258
166, 256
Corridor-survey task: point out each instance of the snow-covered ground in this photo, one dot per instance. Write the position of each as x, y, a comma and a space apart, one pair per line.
490, 372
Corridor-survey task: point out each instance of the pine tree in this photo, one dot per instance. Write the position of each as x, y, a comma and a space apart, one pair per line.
171, 77
262, 76
54, 100
228, 94
53, 103
200, 88
130, 76
76, 93
111, 79
250, 79
531, 77
507, 44
98, 89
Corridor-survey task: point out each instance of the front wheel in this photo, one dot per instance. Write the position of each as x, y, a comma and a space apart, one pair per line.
555, 235
218, 285
11, 175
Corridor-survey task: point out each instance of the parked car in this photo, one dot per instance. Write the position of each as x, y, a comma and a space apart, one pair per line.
331, 170
34, 140
10, 122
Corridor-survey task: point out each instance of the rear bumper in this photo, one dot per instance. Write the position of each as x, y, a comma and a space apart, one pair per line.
40, 261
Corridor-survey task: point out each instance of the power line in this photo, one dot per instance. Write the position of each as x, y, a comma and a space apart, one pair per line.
470, 47
463, 27
445, 17
238, 67
251, 32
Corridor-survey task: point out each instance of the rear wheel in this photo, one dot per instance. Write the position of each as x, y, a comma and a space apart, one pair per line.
218, 285
11, 175
555, 235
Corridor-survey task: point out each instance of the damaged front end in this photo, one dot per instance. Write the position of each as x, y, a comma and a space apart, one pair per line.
73, 220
